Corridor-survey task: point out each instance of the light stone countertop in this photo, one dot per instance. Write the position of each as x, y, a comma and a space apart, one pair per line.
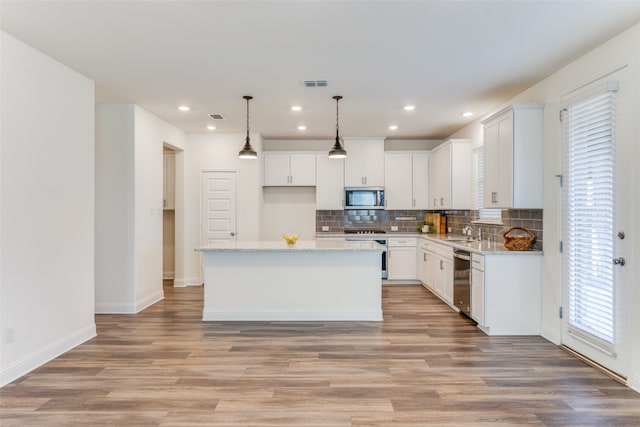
483, 248
495, 248
299, 246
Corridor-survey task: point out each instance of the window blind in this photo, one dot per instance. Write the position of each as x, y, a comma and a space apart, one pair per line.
490, 216
589, 155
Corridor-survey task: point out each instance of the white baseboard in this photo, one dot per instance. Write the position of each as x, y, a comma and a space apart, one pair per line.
115, 308
149, 300
34, 360
129, 308
634, 382
218, 315
189, 281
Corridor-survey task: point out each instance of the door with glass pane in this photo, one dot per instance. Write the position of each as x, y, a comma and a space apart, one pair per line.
595, 215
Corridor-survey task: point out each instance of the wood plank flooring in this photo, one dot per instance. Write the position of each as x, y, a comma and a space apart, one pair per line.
423, 366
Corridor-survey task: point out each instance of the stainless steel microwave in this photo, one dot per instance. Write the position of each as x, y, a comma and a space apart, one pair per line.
364, 198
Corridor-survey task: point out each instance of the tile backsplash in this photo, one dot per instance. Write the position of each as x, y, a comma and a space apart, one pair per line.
407, 220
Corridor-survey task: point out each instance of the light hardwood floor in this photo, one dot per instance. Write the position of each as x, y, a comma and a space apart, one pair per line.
423, 366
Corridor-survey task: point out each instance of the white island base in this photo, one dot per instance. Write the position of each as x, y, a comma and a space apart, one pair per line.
313, 280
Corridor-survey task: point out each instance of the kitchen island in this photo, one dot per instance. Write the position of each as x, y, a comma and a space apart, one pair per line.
311, 280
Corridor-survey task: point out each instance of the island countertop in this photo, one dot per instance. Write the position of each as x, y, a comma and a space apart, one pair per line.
300, 246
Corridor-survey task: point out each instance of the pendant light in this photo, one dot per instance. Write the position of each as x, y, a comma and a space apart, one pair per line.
247, 151
337, 151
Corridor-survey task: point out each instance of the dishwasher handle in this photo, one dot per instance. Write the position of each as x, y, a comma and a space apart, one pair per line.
463, 255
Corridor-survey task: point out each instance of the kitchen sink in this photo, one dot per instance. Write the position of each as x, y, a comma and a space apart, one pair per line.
457, 239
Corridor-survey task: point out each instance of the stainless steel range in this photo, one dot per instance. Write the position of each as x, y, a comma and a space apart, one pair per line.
360, 234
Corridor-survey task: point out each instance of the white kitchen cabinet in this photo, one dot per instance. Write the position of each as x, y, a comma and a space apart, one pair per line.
420, 163
401, 258
398, 181
364, 165
169, 180
284, 169
477, 288
447, 279
513, 156
406, 180
436, 272
508, 296
329, 183
450, 175
421, 264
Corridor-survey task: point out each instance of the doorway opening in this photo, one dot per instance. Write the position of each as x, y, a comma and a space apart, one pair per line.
168, 215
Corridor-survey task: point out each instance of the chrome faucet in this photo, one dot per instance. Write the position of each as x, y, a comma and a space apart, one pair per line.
480, 234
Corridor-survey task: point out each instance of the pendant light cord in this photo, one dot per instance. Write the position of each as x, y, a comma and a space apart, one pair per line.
247, 98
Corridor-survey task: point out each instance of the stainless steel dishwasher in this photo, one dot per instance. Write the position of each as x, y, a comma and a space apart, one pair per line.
462, 281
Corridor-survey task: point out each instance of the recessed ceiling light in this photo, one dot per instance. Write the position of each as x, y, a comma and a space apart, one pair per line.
467, 114
211, 127
409, 107
302, 127
183, 108
296, 108
393, 127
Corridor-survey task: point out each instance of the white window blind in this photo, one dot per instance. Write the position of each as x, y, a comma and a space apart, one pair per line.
488, 216
589, 180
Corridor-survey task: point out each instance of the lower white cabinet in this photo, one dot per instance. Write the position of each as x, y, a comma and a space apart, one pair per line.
507, 296
401, 258
435, 269
477, 288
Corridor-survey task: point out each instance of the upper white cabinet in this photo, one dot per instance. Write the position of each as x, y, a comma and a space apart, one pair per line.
406, 180
283, 169
450, 175
329, 183
169, 179
513, 149
364, 165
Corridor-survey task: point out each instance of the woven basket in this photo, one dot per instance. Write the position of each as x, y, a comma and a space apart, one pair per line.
518, 243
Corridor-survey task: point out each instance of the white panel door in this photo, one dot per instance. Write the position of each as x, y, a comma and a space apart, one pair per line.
219, 206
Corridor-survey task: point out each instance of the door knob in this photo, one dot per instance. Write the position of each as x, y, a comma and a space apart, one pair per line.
233, 234
619, 261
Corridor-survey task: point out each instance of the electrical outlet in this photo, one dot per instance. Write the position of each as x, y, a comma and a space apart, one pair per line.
394, 228
325, 228
448, 229
9, 335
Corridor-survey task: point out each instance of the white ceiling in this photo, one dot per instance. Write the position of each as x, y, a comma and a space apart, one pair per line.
444, 57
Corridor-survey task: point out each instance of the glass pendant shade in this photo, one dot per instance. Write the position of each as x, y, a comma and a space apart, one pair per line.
247, 151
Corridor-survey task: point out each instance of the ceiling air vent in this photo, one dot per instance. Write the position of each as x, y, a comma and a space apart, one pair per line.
315, 83
216, 116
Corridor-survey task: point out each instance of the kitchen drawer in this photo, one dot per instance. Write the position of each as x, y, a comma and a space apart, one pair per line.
477, 261
402, 241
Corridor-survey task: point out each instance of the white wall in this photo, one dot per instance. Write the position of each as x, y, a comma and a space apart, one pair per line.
214, 152
129, 143
47, 208
623, 49
289, 210
114, 223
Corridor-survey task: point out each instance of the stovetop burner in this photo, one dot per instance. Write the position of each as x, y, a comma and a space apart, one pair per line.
364, 231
